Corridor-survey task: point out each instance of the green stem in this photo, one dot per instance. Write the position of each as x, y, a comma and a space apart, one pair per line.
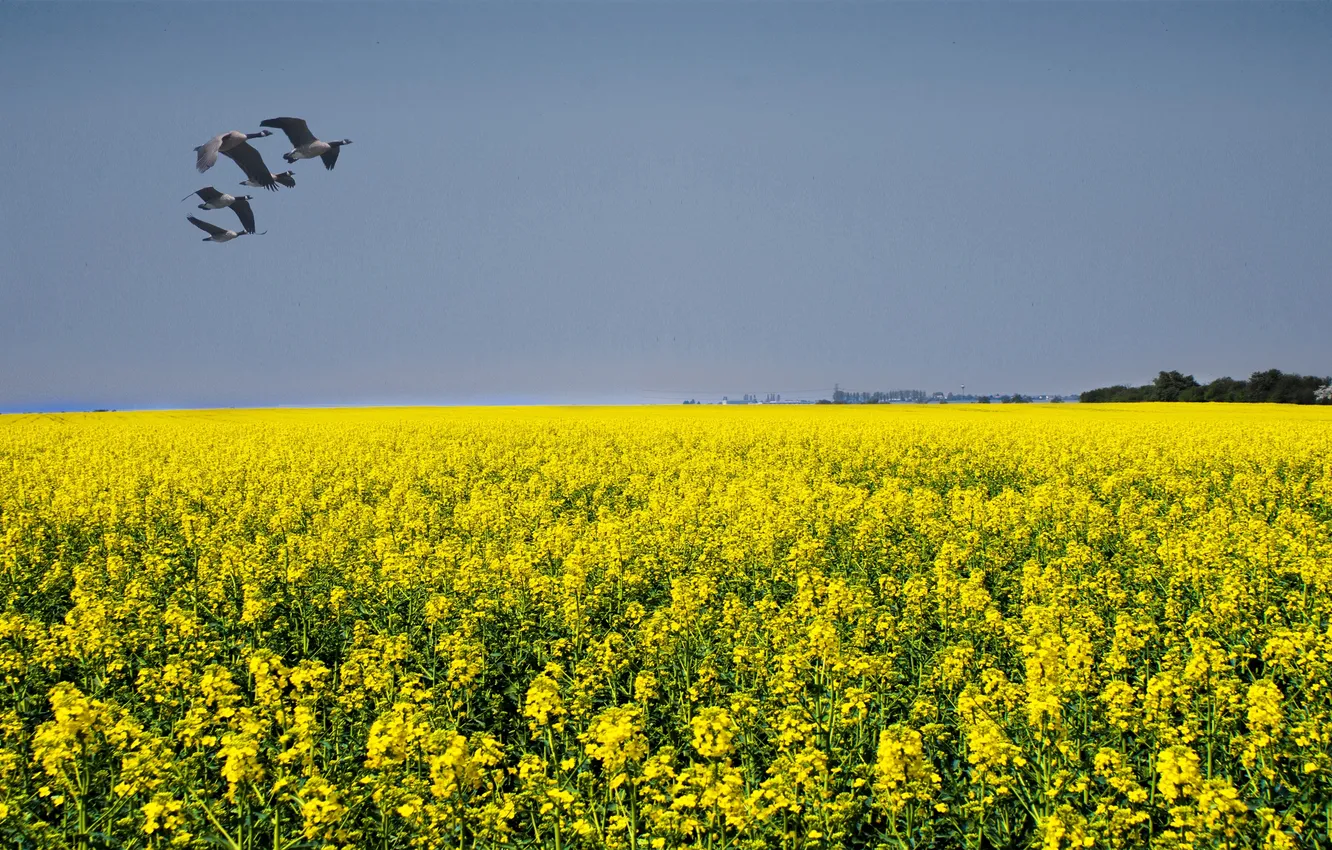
980, 821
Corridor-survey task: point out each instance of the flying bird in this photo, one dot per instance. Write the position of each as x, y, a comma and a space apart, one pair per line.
208, 151
241, 207
303, 142
240, 204
215, 233
252, 164
213, 199
286, 178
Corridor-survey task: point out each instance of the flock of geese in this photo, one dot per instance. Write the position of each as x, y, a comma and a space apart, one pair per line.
236, 145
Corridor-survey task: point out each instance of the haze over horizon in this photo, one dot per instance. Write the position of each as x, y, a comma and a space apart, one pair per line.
651, 201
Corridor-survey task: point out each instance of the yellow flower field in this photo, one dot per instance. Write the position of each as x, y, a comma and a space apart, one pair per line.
962, 626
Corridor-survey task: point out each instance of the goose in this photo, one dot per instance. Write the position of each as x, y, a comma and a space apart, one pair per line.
240, 204
286, 178
252, 164
303, 143
216, 234
223, 142
241, 207
212, 199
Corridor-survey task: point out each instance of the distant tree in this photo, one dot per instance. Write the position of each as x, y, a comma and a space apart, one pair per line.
1271, 386
1263, 384
1054, 399
1116, 394
1168, 385
1275, 386
1102, 394
983, 399
1225, 389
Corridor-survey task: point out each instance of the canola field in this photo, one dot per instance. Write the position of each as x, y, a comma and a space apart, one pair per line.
804, 627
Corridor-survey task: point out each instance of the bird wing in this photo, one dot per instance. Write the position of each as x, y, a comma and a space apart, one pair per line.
286, 179
244, 213
330, 159
297, 132
207, 194
210, 229
252, 164
207, 154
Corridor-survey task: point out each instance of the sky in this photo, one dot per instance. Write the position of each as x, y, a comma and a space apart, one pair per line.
628, 202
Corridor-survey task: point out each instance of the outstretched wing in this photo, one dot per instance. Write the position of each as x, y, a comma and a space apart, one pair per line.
253, 165
330, 159
286, 179
207, 194
297, 133
210, 229
207, 154
244, 213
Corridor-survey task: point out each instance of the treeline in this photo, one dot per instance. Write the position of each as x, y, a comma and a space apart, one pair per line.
1015, 398
1272, 386
841, 396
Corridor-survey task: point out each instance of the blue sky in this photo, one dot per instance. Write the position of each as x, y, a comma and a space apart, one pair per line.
647, 201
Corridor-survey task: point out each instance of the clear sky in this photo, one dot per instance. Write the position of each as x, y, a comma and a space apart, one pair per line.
646, 201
